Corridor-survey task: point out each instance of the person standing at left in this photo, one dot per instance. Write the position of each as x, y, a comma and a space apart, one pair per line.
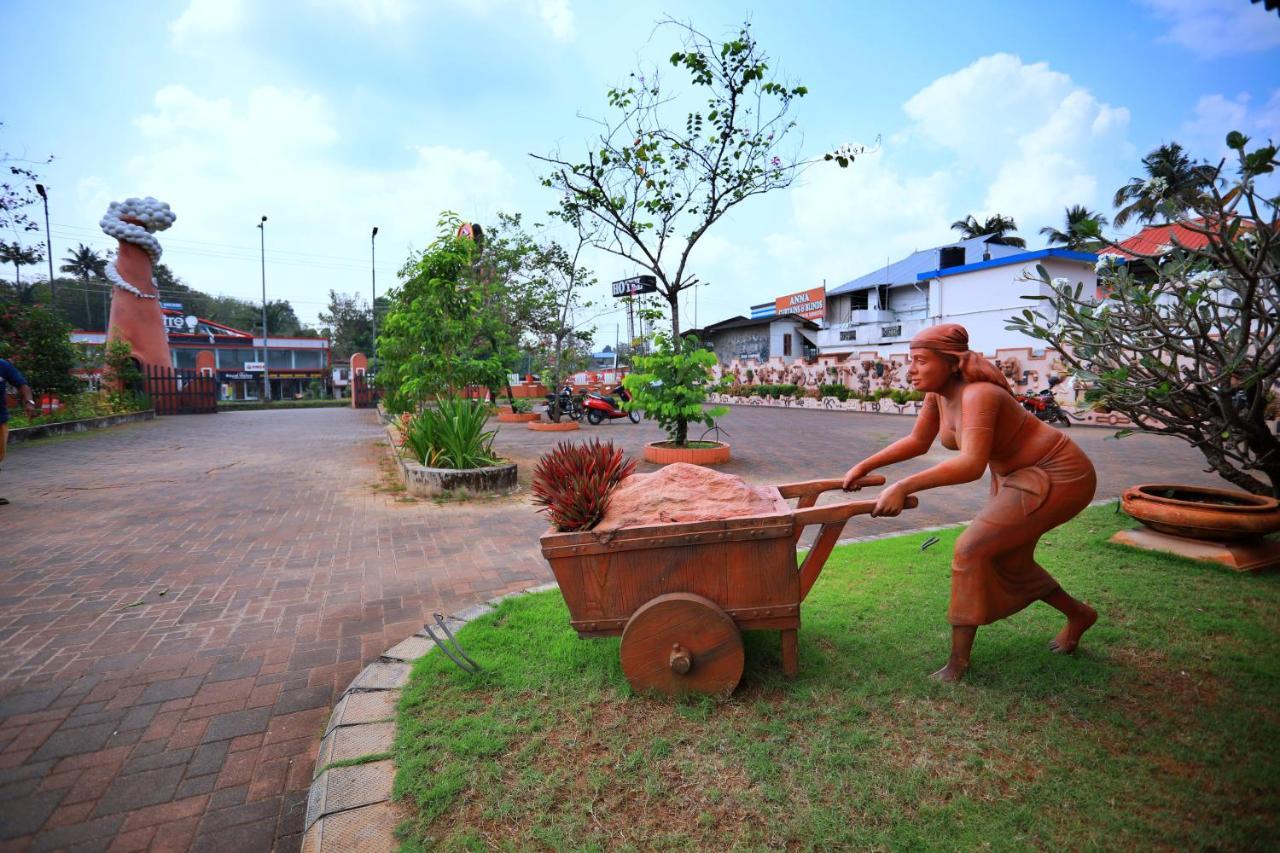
10, 375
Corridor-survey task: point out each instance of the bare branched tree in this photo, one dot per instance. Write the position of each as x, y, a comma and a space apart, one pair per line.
655, 189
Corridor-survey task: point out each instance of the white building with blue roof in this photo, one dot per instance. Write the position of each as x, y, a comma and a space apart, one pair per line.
978, 283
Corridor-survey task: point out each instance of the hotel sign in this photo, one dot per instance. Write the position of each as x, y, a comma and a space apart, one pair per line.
810, 304
635, 286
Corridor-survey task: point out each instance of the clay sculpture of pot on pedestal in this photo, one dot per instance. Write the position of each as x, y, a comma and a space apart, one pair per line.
1219, 525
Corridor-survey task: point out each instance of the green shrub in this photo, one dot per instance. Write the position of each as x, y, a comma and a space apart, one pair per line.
834, 389
522, 405
80, 407
452, 435
671, 384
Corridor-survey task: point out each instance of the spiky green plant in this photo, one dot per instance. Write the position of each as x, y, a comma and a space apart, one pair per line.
452, 435
573, 483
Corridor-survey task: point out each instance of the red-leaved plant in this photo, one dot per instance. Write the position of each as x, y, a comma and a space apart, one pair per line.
572, 484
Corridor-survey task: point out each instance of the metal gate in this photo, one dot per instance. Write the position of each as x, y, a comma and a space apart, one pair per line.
181, 392
364, 394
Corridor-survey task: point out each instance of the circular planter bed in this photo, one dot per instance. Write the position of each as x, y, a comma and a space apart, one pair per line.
1202, 513
695, 453
563, 426
429, 482
518, 417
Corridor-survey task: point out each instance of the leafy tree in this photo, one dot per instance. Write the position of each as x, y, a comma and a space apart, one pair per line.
542, 282
655, 189
350, 322
671, 385
1173, 184
87, 264
433, 342
997, 225
1187, 343
38, 341
1072, 237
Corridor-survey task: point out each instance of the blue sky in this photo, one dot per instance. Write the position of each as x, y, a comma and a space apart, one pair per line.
332, 116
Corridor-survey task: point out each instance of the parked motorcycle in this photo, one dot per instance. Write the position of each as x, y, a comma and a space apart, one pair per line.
564, 403
1044, 405
599, 407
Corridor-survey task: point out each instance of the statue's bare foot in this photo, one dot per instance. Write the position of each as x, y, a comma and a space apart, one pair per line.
1069, 637
950, 672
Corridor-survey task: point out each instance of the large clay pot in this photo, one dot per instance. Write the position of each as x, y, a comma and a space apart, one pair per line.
664, 453
517, 417
563, 426
1202, 513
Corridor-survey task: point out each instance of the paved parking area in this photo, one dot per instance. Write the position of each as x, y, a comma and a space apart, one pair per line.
182, 600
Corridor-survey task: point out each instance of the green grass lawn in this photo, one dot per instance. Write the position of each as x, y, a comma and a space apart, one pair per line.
1162, 731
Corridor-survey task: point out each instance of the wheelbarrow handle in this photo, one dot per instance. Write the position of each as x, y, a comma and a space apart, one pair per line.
832, 517
817, 487
841, 511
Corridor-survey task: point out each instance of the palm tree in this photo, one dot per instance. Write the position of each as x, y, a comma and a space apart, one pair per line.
20, 256
1172, 184
1075, 217
85, 263
996, 225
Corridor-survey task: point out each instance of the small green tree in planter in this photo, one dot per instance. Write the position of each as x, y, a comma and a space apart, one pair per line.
670, 385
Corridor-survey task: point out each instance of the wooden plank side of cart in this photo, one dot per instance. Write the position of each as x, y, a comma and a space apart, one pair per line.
745, 565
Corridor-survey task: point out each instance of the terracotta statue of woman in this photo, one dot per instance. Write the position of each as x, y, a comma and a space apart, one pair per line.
1039, 479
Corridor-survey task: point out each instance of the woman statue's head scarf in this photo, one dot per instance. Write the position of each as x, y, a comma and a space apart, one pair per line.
952, 341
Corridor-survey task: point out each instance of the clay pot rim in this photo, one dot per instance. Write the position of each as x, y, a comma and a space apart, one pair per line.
669, 445
1255, 503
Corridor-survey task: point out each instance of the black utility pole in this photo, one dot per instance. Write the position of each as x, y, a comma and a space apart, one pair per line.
266, 357
373, 306
48, 245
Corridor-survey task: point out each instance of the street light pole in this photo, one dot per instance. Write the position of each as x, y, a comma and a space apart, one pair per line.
266, 357
373, 306
48, 240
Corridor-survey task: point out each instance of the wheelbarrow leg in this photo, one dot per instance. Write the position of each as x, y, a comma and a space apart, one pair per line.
790, 652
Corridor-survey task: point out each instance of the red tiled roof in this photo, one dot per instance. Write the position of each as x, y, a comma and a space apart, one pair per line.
1158, 239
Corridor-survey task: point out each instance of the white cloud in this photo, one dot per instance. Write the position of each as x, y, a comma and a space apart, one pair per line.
207, 18
999, 136
558, 17
1205, 134
1033, 133
1215, 28
372, 12
848, 221
223, 163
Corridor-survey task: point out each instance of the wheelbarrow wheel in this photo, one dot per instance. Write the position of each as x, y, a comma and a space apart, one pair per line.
682, 643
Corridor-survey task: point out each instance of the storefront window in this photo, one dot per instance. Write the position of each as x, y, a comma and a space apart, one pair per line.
184, 358
281, 358
308, 359
234, 359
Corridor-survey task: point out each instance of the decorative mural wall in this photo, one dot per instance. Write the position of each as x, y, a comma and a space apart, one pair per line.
871, 383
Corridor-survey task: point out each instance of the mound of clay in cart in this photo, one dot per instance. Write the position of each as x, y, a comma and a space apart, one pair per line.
681, 492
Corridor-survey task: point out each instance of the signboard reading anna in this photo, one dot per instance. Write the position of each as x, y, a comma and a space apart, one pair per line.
810, 304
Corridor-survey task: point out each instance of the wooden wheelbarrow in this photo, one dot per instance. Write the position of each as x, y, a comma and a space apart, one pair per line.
681, 594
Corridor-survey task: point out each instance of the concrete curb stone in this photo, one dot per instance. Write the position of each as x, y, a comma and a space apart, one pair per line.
349, 808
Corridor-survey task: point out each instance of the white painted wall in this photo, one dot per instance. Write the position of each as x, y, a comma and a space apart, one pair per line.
983, 300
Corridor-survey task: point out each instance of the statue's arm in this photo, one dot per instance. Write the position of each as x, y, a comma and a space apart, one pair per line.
917, 443
979, 406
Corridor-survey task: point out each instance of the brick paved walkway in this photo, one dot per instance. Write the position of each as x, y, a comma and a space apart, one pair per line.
181, 601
